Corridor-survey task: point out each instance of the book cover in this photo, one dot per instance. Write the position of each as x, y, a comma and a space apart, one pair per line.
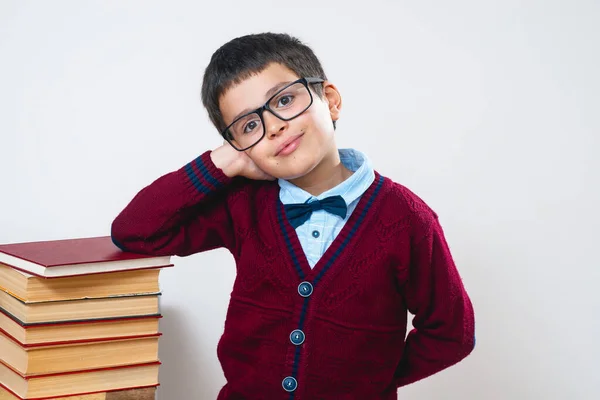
86, 355
68, 332
65, 384
79, 256
145, 393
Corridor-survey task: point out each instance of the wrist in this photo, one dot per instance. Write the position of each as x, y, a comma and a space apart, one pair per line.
226, 159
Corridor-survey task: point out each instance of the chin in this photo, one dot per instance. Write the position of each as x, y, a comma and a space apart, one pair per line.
296, 171
292, 177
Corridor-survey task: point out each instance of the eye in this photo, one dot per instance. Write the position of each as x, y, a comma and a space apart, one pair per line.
285, 100
250, 126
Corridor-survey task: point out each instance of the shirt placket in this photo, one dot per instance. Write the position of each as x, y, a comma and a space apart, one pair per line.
315, 235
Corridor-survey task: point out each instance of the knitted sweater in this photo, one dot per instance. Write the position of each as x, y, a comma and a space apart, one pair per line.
336, 331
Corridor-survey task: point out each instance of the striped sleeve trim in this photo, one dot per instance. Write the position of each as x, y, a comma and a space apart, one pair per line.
204, 174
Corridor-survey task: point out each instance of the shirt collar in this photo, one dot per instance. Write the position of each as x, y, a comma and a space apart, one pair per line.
350, 189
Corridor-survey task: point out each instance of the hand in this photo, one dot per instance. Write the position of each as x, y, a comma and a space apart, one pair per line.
237, 163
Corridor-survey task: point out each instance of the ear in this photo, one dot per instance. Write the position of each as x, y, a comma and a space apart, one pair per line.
333, 98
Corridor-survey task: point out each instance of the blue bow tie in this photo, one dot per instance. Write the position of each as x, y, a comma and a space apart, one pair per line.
299, 213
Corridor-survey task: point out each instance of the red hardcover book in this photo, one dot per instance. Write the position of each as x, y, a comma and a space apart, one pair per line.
71, 257
47, 386
74, 331
142, 393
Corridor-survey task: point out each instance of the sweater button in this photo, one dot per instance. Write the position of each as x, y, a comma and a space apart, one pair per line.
297, 337
289, 384
305, 289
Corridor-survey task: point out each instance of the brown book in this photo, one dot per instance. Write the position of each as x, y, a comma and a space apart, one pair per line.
78, 383
32, 289
70, 257
67, 332
74, 310
147, 393
86, 355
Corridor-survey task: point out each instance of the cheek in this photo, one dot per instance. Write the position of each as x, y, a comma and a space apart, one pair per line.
326, 118
263, 164
259, 154
320, 116
310, 121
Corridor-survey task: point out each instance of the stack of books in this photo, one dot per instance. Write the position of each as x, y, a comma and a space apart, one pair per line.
78, 321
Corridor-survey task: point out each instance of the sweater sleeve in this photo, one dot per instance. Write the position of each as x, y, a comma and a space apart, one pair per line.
444, 322
181, 213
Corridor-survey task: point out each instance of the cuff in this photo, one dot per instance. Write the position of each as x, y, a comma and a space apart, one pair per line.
204, 176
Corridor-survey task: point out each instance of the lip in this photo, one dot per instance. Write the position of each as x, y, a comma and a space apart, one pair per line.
287, 143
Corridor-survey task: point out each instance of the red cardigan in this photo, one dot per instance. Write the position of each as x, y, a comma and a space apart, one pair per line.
337, 331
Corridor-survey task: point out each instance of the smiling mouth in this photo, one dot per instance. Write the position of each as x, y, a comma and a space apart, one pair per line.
290, 147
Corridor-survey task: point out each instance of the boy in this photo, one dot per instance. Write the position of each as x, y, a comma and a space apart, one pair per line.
330, 255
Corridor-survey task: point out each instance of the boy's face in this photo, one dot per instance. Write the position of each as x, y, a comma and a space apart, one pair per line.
311, 133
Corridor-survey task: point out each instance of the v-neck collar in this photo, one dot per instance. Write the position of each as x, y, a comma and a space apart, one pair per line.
350, 189
291, 244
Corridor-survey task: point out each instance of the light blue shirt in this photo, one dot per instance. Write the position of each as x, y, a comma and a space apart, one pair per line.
317, 234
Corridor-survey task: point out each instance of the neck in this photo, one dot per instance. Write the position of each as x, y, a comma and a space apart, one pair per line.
327, 175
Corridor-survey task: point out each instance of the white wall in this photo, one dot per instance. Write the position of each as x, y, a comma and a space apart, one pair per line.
487, 109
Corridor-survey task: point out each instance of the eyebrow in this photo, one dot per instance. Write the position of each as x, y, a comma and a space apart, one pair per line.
268, 94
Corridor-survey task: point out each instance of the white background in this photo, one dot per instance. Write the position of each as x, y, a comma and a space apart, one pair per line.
486, 109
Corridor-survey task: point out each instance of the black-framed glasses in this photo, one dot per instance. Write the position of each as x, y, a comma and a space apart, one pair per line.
288, 103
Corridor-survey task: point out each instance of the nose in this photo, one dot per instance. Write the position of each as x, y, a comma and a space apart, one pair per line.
273, 125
